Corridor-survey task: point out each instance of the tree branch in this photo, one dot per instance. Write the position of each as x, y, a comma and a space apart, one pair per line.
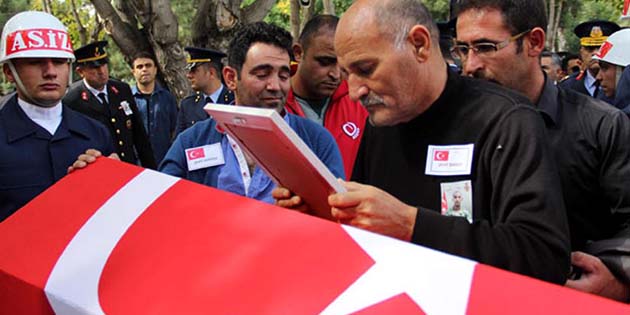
256, 11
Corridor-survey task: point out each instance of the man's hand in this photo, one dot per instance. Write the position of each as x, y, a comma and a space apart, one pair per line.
88, 157
286, 199
372, 209
597, 279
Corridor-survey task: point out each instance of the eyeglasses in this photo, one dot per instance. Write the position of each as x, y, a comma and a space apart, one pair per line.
483, 49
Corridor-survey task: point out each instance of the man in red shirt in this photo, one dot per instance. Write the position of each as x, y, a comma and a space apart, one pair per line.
318, 91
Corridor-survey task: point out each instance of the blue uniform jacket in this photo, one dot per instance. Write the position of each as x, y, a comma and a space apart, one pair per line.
159, 118
222, 176
31, 159
191, 108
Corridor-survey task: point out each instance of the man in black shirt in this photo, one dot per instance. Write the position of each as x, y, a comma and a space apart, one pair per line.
432, 132
589, 138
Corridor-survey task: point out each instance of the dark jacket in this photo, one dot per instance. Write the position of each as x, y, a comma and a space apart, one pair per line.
519, 220
126, 129
159, 117
32, 159
191, 108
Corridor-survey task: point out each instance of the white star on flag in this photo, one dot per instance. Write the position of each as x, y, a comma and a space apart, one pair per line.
437, 282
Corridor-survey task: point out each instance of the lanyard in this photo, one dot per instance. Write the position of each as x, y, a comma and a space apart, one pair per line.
242, 163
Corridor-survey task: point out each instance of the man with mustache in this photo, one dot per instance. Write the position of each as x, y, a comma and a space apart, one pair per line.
258, 72
433, 131
589, 139
318, 91
204, 73
39, 135
110, 102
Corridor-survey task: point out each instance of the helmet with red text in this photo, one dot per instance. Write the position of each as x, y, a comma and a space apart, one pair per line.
34, 34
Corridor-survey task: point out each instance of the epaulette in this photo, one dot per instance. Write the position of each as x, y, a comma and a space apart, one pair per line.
564, 79
226, 97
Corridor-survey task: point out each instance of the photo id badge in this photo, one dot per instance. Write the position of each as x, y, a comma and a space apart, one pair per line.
457, 199
204, 156
126, 108
449, 160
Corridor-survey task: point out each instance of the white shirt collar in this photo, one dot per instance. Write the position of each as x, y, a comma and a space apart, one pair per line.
48, 118
95, 91
215, 95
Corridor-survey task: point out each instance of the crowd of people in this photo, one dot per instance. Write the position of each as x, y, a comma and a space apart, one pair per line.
468, 137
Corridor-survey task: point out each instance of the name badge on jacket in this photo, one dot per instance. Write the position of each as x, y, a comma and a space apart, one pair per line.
125, 106
449, 160
205, 156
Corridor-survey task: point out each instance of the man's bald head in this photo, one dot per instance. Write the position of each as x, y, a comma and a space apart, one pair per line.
393, 18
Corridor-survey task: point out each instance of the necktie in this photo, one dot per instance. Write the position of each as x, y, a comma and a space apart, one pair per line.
103, 98
209, 100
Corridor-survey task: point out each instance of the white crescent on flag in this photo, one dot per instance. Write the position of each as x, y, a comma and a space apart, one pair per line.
140, 242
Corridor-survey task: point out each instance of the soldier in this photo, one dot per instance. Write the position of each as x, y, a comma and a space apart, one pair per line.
39, 136
613, 58
204, 72
110, 102
592, 35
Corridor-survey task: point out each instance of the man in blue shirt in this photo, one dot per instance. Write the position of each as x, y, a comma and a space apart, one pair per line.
39, 136
157, 106
258, 72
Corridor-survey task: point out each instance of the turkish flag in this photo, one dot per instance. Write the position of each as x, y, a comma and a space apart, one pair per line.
141, 242
440, 155
195, 153
626, 9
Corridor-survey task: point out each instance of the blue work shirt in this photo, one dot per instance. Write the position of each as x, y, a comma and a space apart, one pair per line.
227, 176
159, 116
32, 159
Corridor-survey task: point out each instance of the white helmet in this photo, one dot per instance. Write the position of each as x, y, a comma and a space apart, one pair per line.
34, 34
616, 49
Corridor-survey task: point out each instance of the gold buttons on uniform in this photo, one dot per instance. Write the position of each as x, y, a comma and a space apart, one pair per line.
117, 131
120, 143
122, 154
113, 120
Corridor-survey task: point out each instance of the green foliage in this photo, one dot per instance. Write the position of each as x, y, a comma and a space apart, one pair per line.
439, 9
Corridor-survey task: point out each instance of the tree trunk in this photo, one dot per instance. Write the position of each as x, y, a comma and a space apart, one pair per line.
551, 13
295, 19
157, 36
83, 33
329, 7
216, 20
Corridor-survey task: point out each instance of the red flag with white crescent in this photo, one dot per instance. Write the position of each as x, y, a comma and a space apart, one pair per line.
625, 14
135, 241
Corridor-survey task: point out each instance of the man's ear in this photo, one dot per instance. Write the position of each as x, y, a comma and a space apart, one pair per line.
230, 76
420, 38
79, 71
535, 41
7, 73
298, 52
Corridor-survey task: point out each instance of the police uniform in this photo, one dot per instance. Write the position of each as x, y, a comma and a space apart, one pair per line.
120, 115
592, 34
191, 107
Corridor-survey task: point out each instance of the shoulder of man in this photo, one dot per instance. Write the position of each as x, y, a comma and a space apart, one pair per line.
192, 98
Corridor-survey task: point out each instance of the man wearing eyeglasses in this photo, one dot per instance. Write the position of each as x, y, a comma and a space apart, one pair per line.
502, 41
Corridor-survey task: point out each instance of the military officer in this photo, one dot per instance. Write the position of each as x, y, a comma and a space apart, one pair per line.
110, 102
204, 73
592, 35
